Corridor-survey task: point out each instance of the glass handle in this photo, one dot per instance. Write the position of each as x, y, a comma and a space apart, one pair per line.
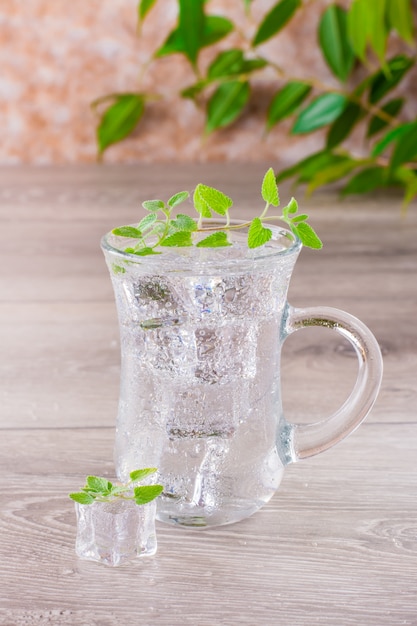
306, 440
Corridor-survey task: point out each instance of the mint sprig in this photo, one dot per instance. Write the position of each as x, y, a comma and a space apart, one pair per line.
100, 489
161, 229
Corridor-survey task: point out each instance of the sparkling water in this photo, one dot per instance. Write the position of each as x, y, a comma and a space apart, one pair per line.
199, 397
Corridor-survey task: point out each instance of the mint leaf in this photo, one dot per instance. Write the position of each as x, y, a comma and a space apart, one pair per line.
292, 207
178, 198
146, 222
215, 240
270, 189
257, 234
117, 490
147, 493
215, 200
127, 231
153, 205
96, 483
307, 235
299, 218
180, 239
105, 491
199, 204
142, 251
184, 222
82, 498
178, 232
140, 474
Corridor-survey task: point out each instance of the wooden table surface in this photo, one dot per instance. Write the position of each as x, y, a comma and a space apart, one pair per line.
337, 544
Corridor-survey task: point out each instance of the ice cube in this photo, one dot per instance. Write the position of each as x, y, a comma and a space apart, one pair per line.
170, 349
203, 411
145, 297
115, 532
226, 353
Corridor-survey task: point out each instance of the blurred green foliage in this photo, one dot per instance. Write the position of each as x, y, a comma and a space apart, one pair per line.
354, 41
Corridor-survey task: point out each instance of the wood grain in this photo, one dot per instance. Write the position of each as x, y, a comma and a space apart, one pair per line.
338, 542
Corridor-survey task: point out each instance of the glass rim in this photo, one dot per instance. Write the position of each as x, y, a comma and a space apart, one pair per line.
294, 247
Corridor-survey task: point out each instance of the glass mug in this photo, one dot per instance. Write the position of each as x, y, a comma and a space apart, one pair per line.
201, 332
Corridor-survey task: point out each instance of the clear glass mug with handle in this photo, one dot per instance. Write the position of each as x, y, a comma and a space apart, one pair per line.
201, 333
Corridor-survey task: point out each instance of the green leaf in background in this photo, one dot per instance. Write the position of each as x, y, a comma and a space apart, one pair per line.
286, 101
309, 166
363, 86
383, 82
410, 189
269, 188
191, 27
120, 119
392, 135
215, 240
378, 31
332, 173
343, 125
215, 28
275, 20
257, 234
366, 25
392, 108
226, 104
322, 111
334, 41
215, 200
194, 90
358, 18
227, 63
406, 148
144, 7
400, 17
402, 176
367, 180
140, 474
174, 43
180, 239
320, 162
232, 63
147, 493
251, 65
307, 235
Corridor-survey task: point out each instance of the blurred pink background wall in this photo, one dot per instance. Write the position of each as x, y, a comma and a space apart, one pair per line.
58, 56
